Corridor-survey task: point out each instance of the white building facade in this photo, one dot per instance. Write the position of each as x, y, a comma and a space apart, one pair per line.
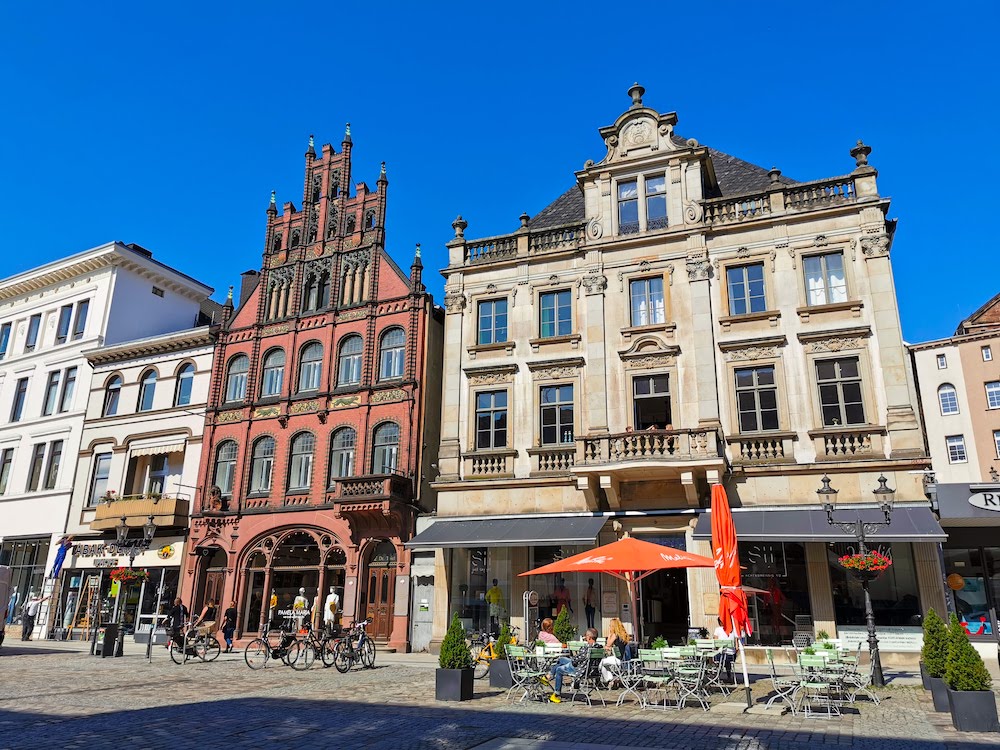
49, 316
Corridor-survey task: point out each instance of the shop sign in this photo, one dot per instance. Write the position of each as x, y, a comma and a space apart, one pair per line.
165, 552
900, 638
106, 562
956, 582
986, 501
764, 559
96, 550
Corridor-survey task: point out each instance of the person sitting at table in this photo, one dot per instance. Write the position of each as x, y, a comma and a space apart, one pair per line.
571, 666
728, 655
546, 634
617, 648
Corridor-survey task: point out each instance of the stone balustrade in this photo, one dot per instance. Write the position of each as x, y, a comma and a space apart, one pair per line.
763, 448
846, 443
491, 249
489, 464
552, 460
783, 199
650, 445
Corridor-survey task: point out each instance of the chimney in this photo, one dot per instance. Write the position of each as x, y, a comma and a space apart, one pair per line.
248, 282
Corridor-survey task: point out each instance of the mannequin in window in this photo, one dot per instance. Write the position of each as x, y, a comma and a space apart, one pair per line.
497, 605
590, 602
561, 597
331, 609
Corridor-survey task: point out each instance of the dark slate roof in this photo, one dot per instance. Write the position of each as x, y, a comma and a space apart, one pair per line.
210, 312
735, 177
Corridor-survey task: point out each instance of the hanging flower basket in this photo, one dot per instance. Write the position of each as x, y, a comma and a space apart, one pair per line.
868, 566
129, 575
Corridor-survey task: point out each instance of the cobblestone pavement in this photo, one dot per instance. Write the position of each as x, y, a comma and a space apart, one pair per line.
68, 699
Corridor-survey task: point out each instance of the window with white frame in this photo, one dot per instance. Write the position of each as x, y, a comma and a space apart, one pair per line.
840, 394
385, 457
757, 399
310, 366
52, 465
993, 394
342, 446
225, 467
6, 461
262, 465
556, 314
492, 321
556, 414
825, 280
62, 328
159, 468
956, 449
656, 202
746, 289
996, 441
185, 383
987, 353
273, 373
99, 479
112, 395
646, 297
35, 467
392, 354
236, 378
942, 362
147, 390
68, 387
80, 319
31, 340
20, 395
948, 399
349, 364
51, 393
491, 420
628, 207
300, 464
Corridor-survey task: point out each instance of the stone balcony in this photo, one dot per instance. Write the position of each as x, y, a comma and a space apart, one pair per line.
363, 490
762, 448
166, 512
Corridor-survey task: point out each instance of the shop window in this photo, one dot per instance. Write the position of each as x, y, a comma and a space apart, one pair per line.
262, 465
349, 364
895, 596
386, 455
491, 420
26, 558
839, 382
757, 399
559, 590
826, 283
391, 354
342, 447
185, 384
295, 565
493, 321
779, 569
651, 397
273, 373
481, 588
948, 399
973, 586
647, 301
112, 394
236, 378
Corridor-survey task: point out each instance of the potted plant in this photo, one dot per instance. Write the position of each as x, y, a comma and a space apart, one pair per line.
500, 676
866, 566
822, 635
454, 679
563, 629
539, 647
809, 651
933, 654
970, 697
658, 643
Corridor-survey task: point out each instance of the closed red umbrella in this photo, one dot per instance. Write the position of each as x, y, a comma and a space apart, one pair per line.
733, 610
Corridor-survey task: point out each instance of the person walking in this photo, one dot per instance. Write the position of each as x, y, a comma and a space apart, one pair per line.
175, 621
31, 608
229, 626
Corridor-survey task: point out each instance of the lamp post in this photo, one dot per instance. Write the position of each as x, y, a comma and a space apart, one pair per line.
860, 530
132, 549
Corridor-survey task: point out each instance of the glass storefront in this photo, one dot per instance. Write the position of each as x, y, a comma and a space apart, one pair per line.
89, 595
973, 585
26, 558
895, 595
777, 570
481, 587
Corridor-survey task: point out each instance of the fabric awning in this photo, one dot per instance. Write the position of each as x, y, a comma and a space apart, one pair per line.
915, 524
509, 532
156, 450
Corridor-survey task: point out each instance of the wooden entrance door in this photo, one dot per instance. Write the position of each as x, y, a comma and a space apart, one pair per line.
381, 587
215, 581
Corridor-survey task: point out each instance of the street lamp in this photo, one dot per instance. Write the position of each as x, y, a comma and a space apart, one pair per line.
132, 549
860, 529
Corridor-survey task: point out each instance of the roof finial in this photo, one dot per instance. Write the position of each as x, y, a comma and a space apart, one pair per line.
272, 207
416, 253
274, 195
311, 151
347, 133
383, 168
229, 299
860, 154
636, 93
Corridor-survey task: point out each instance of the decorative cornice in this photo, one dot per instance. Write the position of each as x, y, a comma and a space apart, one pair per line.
556, 368
746, 350
392, 394
837, 340
491, 375
168, 344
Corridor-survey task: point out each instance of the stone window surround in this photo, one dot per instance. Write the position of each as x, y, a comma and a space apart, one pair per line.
771, 313
850, 282
639, 177
869, 401
645, 270
489, 378
491, 295
540, 379
554, 285
759, 352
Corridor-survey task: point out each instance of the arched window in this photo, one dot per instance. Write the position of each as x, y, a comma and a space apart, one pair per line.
386, 455
948, 398
351, 224
370, 220
316, 294
391, 351
236, 378
276, 245
295, 238
273, 374
112, 393
342, 446
262, 465
185, 382
225, 467
310, 366
147, 390
300, 462
349, 362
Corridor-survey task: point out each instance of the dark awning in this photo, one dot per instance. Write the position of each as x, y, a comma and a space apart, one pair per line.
915, 524
509, 532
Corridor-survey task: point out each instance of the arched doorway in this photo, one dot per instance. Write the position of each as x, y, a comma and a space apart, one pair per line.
213, 577
295, 568
256, 579
380, 590
334, 579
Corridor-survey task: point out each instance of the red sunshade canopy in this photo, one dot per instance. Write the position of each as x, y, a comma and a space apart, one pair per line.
732, 599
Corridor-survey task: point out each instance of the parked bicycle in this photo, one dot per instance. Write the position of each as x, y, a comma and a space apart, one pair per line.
354, 646
485, 648
280, 645
194, 644
314, 646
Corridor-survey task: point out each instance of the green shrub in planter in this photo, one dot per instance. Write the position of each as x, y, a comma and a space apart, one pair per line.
454, 650
563, 629
658, 643
503, 640
935, 649
822, 636
965, 669
830, 646
453, 681
809, 651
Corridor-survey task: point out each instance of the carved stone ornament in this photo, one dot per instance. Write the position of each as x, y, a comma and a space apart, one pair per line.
352, 315
393, 394
266, 411
555, 372
836, 344
743, 252
693, 212
303, 407
454, 302
595, 228
274, 330
492, 377
650, 361
229, 416
638, 133
751, 353
360, 259
491, 289
594, 283
699, 269
343, 402
875, 247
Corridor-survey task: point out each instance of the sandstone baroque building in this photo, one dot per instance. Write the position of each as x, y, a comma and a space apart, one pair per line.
677, 318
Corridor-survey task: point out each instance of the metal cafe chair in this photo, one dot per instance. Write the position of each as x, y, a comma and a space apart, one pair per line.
690, 681
816, 690
785, 686
525, 677
587, 683
656, 676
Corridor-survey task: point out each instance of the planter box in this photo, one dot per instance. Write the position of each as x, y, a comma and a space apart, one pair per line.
973, 710
925, 678
500, 676
454, 684
939, 692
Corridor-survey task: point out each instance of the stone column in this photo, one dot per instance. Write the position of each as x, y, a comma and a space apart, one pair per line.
442, 603
699, 271
451, 400
930, 577
596, 381
820, 591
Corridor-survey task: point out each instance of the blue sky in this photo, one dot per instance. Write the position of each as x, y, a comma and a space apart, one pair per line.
169, 124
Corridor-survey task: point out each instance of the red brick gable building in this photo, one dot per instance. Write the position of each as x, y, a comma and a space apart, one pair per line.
325, 388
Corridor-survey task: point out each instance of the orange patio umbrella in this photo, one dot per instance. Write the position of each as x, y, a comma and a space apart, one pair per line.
629, 559
733, 610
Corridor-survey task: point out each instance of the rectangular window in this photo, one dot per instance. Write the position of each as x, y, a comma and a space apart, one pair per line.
157, 291
35, 469
993, 394
557, 314
987, 354
757, 399
996, 441
6, 460
628, 207
69, 384
656, 202
99, 481
942, 362
825, 280
158, 470
80, 322
557, 414
956, 449
52, 465
651, 402
493, 321
491, 420
51, 394
20, 393
746, 289
62, 331
839, 382
31, 340
4, 339
646, 296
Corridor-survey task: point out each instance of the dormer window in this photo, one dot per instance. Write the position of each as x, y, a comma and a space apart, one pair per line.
628, 207
656, 202
648, 214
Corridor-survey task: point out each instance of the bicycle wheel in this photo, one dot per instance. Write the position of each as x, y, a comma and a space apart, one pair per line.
343, 657
257, 653
306, 657
208, 649
292, 652
367, 654
481, 663
327, 652
177, 652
